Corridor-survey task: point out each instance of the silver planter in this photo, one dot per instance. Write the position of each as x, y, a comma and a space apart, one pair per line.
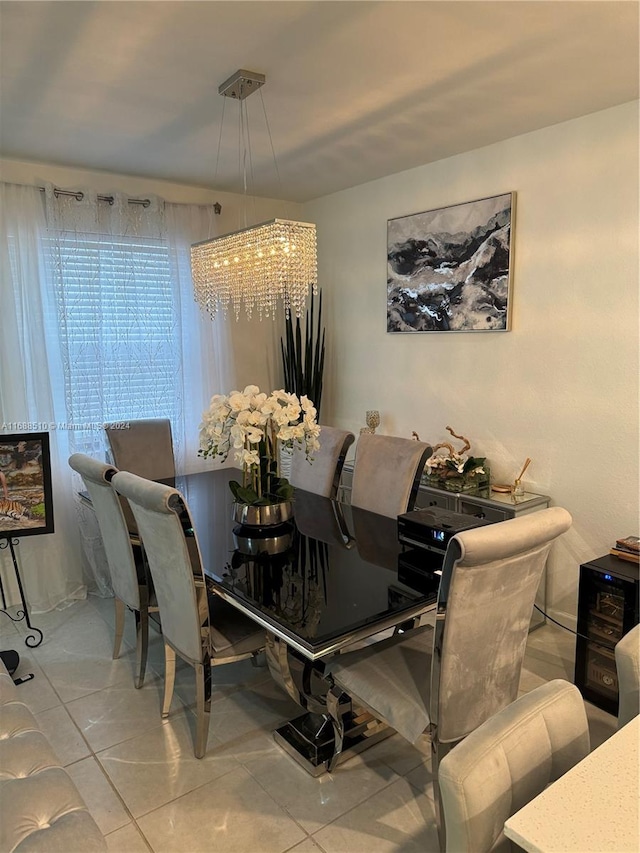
256, 541
263, 516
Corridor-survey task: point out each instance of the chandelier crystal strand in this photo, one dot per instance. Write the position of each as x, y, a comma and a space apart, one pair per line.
258, 267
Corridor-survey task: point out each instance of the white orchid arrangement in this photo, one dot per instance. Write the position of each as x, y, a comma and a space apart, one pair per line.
454, 464
252, 424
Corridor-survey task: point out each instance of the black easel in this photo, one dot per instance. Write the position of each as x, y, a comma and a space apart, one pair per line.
21, 615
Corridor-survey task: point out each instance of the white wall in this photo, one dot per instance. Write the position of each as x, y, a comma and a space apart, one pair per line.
562, 386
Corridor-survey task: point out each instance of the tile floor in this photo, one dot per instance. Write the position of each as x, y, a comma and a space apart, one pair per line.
147, 792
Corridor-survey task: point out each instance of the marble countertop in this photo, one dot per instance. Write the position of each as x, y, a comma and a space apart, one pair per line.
592, 809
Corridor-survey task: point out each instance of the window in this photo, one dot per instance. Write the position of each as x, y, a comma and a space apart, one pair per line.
119, 331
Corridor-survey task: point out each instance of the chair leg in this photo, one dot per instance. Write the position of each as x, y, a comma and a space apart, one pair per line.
117, 640
438, 752
142, 644
169, 678
203, 705
336, 710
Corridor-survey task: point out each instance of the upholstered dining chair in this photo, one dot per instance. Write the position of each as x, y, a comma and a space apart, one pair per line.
203, 633
125, 558
447, 680
322, 519
506, 762
142, 447
387, 472
627, 654
322, 473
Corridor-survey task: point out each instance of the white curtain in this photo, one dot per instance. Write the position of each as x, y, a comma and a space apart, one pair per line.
31, 399
99, 324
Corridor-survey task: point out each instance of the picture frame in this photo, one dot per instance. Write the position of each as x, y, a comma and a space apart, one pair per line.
450, 269
26, 497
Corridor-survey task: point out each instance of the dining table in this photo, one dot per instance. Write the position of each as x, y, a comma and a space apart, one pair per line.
331, 577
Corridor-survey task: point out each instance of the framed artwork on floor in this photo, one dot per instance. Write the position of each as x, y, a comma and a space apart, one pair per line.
450, 269
26, 501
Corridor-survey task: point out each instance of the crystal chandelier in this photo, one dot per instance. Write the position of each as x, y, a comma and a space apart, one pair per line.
261, 265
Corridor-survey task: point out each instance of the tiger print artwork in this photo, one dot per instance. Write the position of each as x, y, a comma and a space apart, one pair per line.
13, 509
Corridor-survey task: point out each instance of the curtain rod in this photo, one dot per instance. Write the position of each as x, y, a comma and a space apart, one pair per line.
145, 202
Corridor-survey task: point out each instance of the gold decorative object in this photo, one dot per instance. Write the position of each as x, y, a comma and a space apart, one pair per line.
516, 487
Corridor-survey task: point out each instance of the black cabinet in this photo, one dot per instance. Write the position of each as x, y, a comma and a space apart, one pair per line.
607, 609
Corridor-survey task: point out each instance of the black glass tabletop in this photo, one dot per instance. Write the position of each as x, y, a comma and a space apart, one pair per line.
331, 575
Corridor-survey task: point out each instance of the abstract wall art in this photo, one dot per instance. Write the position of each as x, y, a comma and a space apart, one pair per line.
450, 269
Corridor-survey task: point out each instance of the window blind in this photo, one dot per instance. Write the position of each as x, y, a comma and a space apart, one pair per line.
118, 328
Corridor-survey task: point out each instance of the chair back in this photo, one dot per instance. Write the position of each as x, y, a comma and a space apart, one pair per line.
321, 473
143, 447
320, 518
113, 528
387, 473
174, 567
627, 653
490, 577
508, 761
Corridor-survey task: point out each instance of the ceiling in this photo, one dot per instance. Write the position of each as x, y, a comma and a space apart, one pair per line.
355, 90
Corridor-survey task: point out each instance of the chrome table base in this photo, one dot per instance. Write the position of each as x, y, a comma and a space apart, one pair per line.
309, 738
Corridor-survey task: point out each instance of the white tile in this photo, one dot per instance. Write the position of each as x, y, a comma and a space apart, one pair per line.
307, 846
421, 778
63, 735
119, 713
9, 634
396, 820
400, 755
37, 693
234, 815
78, 656
315, 802
127, 839
102, 801
264, 706
160, 765
53, 621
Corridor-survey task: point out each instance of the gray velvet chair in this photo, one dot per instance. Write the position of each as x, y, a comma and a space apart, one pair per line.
627, 652
446, 681
125, 558
506, 762
203, 633
145, 448
387, 472
322, 475
322, 519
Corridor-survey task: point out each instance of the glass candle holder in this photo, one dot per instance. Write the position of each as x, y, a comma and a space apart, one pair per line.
373, 419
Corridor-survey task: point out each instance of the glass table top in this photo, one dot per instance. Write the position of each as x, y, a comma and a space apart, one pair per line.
337, 573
